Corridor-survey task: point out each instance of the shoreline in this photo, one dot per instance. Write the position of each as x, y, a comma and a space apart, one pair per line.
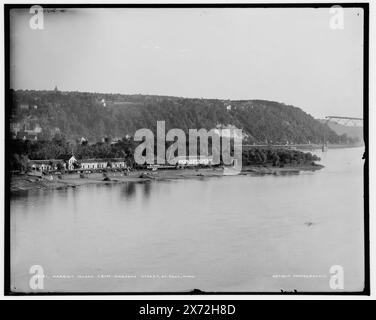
27, 182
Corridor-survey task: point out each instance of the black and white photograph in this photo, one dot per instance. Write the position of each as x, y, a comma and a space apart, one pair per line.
186, 149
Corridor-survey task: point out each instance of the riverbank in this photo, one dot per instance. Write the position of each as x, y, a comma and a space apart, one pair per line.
34, 182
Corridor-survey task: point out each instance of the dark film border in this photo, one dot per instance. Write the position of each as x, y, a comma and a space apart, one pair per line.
7, 262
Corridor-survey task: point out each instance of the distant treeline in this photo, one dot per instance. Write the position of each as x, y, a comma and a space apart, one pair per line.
95, 115
277, 157
22, 151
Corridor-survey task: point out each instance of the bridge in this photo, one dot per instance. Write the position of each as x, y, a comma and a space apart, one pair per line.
345, 121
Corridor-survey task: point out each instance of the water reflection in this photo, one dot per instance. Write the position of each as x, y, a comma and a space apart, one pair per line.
133, 189
129, 190
231, 233
146, 189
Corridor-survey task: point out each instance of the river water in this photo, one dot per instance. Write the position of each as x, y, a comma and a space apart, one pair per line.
223, 234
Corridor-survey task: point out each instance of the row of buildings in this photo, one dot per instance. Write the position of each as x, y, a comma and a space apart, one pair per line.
70, 163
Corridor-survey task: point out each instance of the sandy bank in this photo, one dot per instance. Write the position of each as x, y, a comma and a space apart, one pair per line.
34, 182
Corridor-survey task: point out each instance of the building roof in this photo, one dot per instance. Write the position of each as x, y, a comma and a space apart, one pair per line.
101, 160
67, 157
53, 161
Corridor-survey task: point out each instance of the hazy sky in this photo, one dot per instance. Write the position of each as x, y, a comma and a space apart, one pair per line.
287, 55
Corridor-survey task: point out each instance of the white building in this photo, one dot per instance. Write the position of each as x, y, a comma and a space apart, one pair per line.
46, 165
70, 160
118, 163
95, 164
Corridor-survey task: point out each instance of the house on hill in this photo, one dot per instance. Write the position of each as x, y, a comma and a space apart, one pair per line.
35, 130
27, 136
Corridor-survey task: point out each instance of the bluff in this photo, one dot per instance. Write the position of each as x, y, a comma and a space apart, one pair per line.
45, 114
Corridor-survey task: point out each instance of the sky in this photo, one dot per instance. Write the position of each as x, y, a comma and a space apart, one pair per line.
289, 55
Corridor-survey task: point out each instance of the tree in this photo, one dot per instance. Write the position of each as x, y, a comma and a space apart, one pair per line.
19, 162
275, 159
60, 167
